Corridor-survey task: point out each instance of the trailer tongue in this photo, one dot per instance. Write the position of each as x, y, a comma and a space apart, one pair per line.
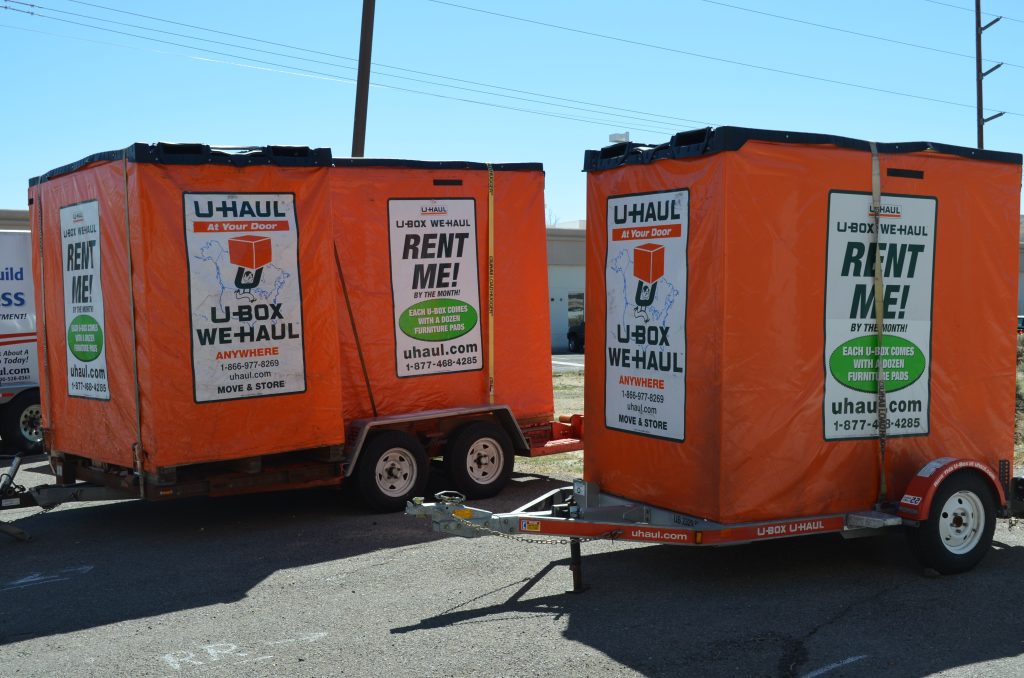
581, 512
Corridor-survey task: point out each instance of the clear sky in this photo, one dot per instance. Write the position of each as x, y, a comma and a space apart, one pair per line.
541, 83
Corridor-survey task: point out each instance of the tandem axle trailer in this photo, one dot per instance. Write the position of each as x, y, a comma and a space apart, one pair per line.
386, 457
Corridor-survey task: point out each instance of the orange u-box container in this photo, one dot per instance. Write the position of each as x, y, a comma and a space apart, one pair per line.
731, 369
199, 305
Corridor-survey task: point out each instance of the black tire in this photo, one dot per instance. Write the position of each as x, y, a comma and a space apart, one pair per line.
478, 458
574, 344
392, 469
960, 524
21, 423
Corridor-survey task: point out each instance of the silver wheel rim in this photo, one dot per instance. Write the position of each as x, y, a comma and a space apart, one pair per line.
961, 522
31, 423
485, 461
396, 472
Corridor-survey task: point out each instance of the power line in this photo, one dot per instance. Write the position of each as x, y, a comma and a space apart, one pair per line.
298, 71
891, 41
626, 118
377, 64
698, 55
971, 10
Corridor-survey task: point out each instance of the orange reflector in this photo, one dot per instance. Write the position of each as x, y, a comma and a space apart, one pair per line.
465, 514
699, 538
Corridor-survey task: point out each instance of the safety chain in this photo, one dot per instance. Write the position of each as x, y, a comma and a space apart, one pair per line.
45, 509
12, 489
533, 540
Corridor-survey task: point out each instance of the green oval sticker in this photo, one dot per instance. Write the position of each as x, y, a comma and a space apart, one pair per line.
437, 319
854, 363
85, 338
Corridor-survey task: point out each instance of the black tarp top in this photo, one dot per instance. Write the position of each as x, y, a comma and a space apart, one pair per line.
708, 141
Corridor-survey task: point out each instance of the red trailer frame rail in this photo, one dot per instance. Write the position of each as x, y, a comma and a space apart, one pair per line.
583, 513
949, 508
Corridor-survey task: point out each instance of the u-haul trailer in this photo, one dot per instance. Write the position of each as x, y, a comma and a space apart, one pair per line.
222, 321
799, 334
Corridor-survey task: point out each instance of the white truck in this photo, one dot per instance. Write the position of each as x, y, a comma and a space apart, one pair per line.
20, 414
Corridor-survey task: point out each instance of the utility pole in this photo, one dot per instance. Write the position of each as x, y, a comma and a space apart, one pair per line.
363, 80
980, 74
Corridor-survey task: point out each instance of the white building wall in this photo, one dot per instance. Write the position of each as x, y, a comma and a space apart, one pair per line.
563, 281
566, 281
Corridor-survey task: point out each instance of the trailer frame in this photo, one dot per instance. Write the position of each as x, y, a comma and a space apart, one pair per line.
582, 512
81, 479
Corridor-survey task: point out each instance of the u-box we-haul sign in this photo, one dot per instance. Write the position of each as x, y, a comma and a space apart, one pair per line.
905, 245
435, 285
245, 295
84, 320
645, 313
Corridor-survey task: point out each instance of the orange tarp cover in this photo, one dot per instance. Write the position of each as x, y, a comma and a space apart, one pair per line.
215, 281
367, 203
731, 332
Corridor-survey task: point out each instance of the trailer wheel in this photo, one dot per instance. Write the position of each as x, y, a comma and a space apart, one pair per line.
392, 470
479, 458
21, 423
959, 528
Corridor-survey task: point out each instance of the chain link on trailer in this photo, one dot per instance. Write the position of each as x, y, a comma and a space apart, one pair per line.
19, 534
13, 489
45, 509
454, 498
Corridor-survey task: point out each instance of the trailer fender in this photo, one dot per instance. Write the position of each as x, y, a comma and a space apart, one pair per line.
917, 499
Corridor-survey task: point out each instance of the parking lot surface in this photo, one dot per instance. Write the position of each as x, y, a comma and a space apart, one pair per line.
309, 584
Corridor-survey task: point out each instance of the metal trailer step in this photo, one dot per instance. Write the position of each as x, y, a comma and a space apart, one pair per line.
872, 520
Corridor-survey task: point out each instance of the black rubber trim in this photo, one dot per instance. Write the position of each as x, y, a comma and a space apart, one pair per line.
708, 141
75, 166
904, 173
447, 182
281, 156
200, 154
439, 164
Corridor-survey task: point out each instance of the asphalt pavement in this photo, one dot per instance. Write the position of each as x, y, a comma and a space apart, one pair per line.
567, 362
307, 583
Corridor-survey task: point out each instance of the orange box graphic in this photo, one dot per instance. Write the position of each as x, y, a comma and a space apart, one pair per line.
250, 251
649, 262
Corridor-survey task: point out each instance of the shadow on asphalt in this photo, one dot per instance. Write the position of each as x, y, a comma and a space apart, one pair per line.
132, 559
728, 611
793, 605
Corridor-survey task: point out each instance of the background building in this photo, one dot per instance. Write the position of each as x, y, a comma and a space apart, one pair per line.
16, 220
567, 255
